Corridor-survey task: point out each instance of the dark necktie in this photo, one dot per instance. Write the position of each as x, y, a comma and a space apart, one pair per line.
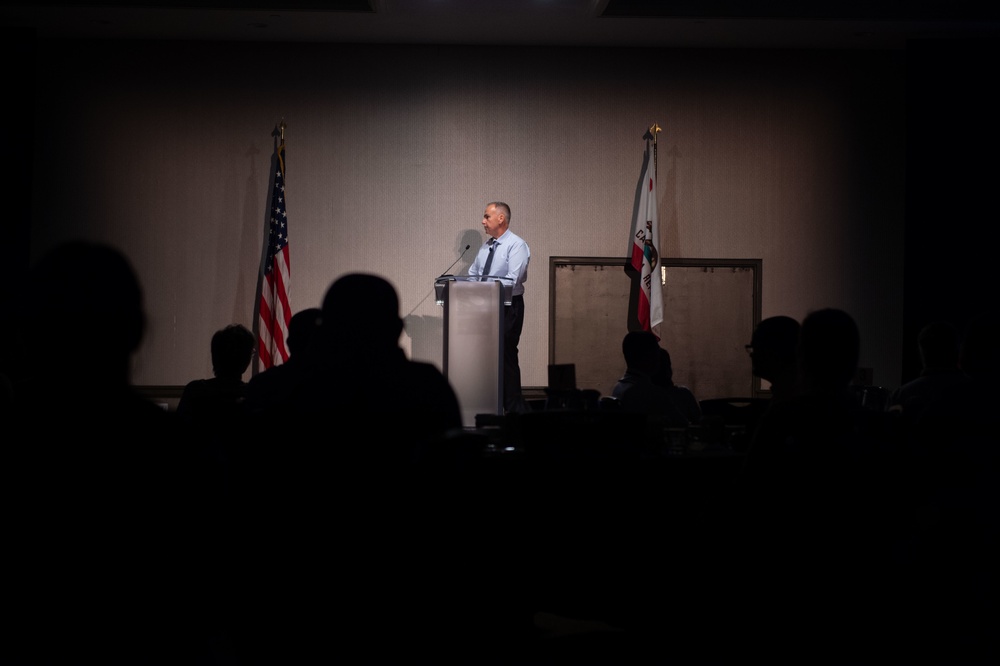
489, 259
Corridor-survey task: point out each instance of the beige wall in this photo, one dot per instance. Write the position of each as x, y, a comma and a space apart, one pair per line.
164, 149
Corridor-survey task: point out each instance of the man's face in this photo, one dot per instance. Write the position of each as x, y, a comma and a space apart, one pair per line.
493, 221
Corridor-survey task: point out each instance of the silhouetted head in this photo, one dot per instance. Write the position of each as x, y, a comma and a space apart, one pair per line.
302, 329
641, 350
232, 350
664, 375
361, 310
829, 344
773, 346
84, 310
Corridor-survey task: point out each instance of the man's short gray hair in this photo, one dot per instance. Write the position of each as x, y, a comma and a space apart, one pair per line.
502, 207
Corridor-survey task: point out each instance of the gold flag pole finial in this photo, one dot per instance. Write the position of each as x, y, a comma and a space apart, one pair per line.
281, 128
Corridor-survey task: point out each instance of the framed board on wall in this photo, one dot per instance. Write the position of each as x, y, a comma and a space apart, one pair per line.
710, 308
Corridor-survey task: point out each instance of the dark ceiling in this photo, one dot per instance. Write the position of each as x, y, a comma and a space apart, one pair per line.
847, 24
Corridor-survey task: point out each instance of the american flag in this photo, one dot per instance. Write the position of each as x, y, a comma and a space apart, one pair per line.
275, 312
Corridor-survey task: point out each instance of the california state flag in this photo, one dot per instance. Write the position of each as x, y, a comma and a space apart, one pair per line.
645, 258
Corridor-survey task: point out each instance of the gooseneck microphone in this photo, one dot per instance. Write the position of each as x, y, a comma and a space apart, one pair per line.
445, 274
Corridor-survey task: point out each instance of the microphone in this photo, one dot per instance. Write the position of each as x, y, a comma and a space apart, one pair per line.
445, 274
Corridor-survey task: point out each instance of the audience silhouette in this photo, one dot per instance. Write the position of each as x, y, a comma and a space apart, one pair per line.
268, 391
348, 544
107, 527
963, 412
636, 391
364, 376
819, 493
772, 358
939, 343
216, 405
772, 351
957, 545
340, 537
681, 397
820, 417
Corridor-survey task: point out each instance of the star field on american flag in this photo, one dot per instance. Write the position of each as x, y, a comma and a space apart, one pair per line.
279, 222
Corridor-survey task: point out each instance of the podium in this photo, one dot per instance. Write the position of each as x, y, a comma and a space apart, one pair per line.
473, 341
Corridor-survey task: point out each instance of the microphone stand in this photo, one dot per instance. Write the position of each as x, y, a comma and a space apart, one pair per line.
445, 274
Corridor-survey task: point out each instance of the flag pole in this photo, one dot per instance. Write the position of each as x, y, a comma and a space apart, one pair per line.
281, 145
654, 129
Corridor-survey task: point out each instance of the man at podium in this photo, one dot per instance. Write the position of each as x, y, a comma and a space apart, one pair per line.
506, 255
